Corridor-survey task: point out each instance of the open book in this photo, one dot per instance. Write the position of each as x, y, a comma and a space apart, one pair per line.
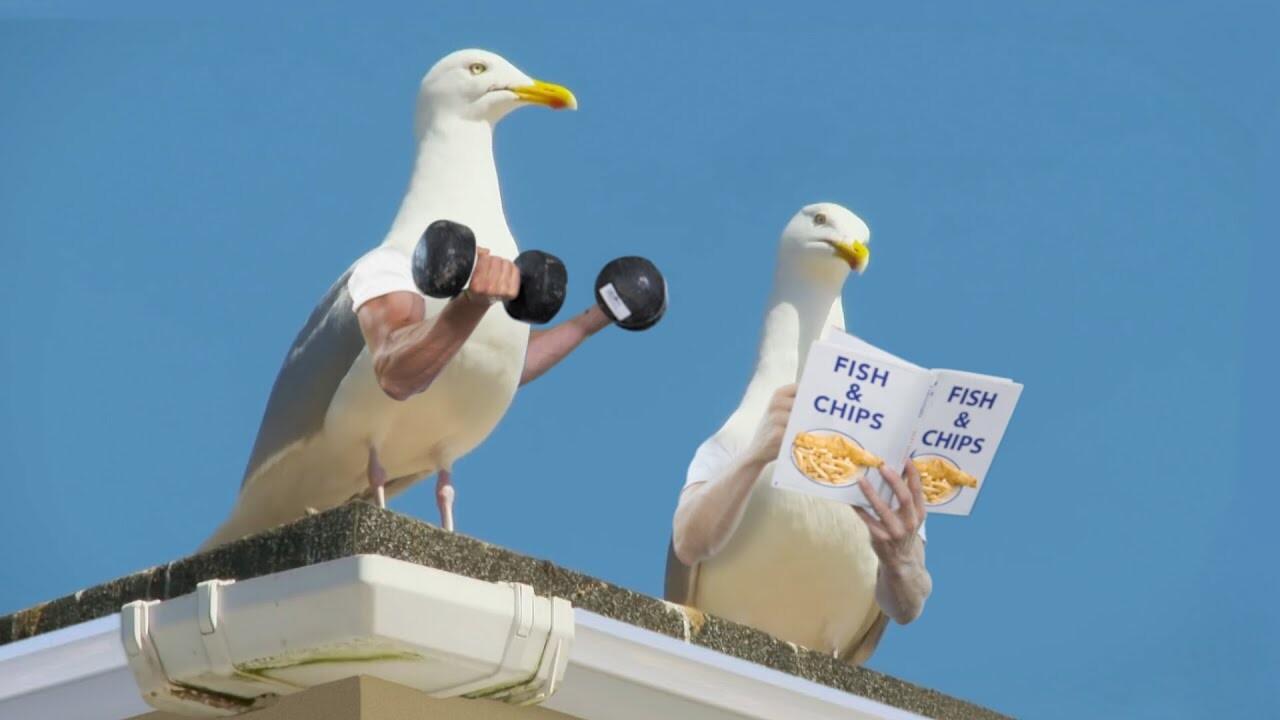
858, 407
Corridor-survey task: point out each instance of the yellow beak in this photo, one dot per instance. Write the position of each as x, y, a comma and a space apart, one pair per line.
855, 253
549, 94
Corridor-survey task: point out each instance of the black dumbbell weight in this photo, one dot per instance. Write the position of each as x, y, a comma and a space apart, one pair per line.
446, 256
444, 259
543, 280
632, 293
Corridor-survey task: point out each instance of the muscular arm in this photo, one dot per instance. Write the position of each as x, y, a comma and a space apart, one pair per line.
410, 350
548, 347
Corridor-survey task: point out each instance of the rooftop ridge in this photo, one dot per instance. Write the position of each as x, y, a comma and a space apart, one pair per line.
358, 529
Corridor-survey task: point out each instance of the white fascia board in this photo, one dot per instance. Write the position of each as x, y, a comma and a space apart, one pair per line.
621, 672
616, 672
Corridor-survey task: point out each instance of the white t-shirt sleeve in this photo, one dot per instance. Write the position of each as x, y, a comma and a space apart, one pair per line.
711, 458
380, 272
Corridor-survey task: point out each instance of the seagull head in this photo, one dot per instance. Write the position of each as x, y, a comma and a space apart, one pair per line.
480, 85
828, 240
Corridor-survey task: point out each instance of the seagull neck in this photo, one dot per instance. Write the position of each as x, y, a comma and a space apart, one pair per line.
455, 178
799, 311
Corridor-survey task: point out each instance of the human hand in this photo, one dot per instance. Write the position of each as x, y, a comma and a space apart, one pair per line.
494, 279
894, 534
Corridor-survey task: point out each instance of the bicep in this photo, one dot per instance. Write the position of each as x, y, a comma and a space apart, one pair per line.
381, 317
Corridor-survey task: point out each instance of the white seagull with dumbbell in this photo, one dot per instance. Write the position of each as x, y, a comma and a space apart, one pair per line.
405, 364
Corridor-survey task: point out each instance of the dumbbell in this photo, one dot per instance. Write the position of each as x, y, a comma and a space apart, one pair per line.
446, 256
632, 293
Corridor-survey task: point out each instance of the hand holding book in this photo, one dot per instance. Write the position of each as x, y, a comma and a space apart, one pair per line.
858, 407
893, 531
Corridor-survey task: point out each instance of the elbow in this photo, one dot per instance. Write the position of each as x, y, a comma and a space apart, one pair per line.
686, 548
395, 388
909, 606
907, 615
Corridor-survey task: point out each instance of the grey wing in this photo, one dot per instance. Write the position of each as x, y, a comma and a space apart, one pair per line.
317, 362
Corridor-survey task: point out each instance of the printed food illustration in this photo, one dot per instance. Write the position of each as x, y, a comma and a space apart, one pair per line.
941, 480
831, 458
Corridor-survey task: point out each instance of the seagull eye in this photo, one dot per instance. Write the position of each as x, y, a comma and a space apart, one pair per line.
477, 68
820, 219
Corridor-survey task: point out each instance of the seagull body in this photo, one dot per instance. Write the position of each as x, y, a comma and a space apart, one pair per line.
798, 567
329, 425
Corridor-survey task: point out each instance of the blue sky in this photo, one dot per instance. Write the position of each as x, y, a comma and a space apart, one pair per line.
1070, 197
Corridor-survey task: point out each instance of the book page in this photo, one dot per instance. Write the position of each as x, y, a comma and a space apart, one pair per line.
853, 343
854, 411
957, 435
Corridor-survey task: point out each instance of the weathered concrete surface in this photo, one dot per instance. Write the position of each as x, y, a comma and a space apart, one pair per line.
362, 529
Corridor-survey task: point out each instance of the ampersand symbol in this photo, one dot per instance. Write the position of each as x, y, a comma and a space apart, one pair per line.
855, 393
963, 420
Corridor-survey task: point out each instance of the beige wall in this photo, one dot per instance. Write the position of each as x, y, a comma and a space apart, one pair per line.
369, 698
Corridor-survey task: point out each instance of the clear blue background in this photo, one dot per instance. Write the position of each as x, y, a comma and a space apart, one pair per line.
1077, 198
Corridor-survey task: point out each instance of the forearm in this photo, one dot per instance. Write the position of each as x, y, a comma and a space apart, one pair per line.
903, 586
709, 513
548, 347
413, 356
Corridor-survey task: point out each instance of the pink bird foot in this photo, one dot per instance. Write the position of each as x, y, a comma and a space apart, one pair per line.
377, 478
444, 498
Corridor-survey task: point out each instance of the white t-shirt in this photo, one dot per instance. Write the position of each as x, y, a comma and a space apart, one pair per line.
381, 271
713, 457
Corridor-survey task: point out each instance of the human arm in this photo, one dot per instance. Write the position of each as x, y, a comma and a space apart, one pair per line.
548, 347
708, 512
410, 350
903, 583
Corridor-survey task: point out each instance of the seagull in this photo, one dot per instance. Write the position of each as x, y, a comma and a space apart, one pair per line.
796, 566
330, 433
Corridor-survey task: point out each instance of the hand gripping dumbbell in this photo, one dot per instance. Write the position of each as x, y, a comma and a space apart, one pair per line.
446, 256
632, 293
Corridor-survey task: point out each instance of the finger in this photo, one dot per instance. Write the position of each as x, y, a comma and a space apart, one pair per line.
482, 264
873, 526
492, 273
887, 518
906, 505
917, 487
784, 399
512, 279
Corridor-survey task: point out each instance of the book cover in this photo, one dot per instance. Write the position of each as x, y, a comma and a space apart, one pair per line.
854, 411
859, 407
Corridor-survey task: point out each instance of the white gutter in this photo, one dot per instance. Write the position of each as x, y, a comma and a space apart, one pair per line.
621, 672
614, 671
76, 672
